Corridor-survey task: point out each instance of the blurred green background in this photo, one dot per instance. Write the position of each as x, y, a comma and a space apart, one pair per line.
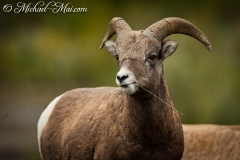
43, 55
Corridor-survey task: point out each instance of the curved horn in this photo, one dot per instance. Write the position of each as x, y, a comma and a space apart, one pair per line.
168, 26
116, 26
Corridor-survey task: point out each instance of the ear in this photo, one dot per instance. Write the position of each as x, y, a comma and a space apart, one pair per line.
111, 47
168, 48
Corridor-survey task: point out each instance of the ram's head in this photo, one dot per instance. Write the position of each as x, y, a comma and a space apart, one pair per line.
140, 54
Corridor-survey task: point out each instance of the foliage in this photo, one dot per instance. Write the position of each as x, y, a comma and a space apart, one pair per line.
61, 50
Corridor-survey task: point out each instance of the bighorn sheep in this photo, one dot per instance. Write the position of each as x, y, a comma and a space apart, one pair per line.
135, 121
215, 142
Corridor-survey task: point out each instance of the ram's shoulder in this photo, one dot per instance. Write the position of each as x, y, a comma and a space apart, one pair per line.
98, 92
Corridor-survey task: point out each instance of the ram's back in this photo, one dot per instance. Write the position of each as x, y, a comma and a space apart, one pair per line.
79, 118
215, 142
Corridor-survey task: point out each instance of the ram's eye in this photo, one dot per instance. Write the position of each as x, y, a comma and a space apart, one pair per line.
117, 58
152, 58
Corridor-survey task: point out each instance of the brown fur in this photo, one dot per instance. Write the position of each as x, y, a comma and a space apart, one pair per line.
104, 123
111, 129
215, 142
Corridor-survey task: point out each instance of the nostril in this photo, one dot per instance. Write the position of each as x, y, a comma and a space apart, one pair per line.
122, 78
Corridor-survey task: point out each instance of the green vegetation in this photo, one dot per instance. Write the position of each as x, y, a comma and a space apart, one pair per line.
61, 50
45, 54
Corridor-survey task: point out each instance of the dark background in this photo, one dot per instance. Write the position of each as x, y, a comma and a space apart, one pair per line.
42, 55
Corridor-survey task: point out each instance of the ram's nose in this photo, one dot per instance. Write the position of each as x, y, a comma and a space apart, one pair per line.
122, 76
127, 81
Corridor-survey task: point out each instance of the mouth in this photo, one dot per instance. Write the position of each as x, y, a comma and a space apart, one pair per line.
126, 85
129, 88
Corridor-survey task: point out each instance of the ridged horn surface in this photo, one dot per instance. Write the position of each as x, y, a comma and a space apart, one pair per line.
168, 26
116, 26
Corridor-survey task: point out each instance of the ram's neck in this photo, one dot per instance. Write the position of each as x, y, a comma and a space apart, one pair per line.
149, 120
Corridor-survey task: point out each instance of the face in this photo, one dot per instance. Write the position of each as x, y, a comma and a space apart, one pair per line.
140, 59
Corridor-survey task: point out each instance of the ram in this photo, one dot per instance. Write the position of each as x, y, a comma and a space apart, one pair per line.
210, 141
136, 120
